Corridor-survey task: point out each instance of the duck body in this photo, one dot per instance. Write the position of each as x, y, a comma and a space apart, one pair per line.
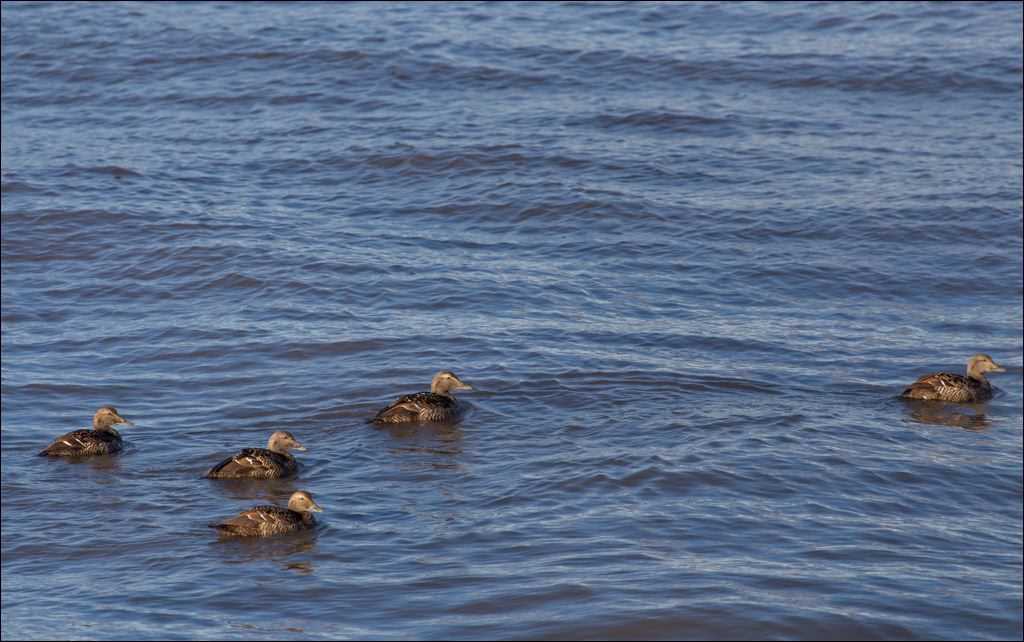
420, 406
438, 405
267, 521
272, 462
255, 463
85, 442
946, 386
103, 439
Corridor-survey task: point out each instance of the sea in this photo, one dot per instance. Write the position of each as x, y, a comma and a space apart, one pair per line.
687, 254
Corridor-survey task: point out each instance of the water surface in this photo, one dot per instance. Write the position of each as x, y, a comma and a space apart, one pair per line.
687, 254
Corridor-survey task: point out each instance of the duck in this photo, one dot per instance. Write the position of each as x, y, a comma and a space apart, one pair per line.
103, 439
438, 405
272, 462
265, 521
945, 386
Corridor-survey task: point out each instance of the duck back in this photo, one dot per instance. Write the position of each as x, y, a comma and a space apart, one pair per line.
264, 521
82, 443
254, 463
421, 406
946, 386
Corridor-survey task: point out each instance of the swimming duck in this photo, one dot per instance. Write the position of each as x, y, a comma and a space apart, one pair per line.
436, 405
264, 521
272, 462
945, 386
101, 440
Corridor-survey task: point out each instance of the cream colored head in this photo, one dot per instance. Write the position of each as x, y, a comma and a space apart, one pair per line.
108, 417
282, 441
979, 364
302, 502
446, 381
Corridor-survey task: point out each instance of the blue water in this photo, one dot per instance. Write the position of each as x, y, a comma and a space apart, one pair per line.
688, 255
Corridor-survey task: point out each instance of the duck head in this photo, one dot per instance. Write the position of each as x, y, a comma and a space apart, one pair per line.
302, 502
107, 417
446, 381
979, 364
282, 441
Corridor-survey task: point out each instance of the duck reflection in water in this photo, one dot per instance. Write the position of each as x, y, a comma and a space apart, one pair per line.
105, 465
929, 412
437, 446
246, 550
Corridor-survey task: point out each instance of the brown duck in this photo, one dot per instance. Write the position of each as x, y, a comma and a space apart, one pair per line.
101, 440
265, 521
272, 462
438, 405
945, 386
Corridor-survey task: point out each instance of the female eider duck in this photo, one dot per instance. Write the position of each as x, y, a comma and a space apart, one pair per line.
101, 440
945, 386
272, 462
438, 405
264, 521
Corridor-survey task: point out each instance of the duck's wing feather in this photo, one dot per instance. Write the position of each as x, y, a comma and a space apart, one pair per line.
259, 463
940, 385
414, 406
83, 442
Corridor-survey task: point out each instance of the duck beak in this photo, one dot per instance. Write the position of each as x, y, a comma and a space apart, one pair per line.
297, 446
122, 420
465, 386
997, 368
316, 508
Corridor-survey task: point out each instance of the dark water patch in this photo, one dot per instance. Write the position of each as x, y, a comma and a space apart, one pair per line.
47, 218
805, 71
11, 187
102, 170
417, 72
662, 122
707, 622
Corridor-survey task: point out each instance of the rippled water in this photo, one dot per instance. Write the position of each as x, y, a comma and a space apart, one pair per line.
687, 254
